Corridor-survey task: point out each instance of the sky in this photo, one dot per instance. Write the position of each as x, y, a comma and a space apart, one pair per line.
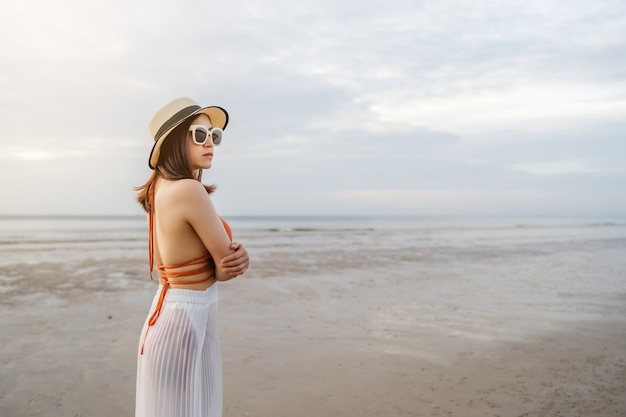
337, 107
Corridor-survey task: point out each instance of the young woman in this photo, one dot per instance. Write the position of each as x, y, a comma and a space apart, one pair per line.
179, 370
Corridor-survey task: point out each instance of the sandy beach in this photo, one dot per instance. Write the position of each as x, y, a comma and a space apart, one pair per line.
349, 328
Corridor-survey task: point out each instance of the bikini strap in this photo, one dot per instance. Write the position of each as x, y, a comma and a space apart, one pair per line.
151, 228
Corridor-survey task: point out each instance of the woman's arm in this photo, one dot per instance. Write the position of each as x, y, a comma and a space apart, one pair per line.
199, 212
238, 262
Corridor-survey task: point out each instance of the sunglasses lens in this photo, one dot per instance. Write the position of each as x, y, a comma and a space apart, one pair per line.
216, 136
200, 135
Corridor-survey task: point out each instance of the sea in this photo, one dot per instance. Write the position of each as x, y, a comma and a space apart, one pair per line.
483, 278
34, 239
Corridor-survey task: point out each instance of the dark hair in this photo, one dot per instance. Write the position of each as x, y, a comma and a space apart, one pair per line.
173, 163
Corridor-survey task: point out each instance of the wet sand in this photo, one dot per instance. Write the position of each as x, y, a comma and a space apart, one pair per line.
343, 331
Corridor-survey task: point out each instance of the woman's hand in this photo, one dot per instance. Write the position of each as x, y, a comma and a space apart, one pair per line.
238, 262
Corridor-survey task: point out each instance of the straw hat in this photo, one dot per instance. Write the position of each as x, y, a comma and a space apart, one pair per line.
173, 114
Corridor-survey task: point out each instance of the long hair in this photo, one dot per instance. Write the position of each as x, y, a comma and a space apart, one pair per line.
173, 164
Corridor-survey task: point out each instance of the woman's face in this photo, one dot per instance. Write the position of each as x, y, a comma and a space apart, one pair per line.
200, 156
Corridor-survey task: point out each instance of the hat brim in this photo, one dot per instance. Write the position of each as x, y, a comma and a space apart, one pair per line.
217, 115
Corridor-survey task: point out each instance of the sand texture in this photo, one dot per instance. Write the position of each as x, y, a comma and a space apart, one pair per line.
361, 325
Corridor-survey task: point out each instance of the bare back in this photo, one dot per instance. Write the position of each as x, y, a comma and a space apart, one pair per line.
176, 241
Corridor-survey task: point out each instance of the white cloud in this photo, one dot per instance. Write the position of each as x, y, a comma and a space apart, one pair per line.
563, 167
476, 99
38, 154
529, 104
489, 200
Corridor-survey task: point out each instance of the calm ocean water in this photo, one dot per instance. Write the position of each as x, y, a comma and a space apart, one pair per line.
35, 239
16, 228
527, 272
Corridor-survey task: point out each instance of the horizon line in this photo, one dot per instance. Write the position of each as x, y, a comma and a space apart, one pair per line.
141, 215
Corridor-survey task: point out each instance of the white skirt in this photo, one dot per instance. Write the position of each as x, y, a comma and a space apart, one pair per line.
179, 373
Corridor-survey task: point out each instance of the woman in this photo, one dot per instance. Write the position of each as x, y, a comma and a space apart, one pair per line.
179, 370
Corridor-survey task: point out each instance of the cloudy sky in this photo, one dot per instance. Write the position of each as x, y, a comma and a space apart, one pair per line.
480, 107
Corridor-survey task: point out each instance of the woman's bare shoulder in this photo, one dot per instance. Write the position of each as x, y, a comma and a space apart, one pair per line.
186, 189
186, 197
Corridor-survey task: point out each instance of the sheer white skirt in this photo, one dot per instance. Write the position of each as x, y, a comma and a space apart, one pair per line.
179, 373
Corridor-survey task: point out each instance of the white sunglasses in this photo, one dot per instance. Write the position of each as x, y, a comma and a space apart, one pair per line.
201, 134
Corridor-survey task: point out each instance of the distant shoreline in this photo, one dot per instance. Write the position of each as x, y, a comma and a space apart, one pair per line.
324, 216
